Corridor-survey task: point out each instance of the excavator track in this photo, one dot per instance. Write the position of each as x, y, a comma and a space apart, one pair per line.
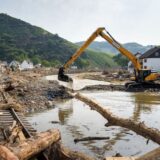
135, 86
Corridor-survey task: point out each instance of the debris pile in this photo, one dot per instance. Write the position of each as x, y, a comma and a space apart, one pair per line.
29, 90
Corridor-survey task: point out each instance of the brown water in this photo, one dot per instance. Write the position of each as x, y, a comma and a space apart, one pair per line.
76, 120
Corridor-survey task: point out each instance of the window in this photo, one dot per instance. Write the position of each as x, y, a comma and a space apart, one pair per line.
145, 67
157, 54
145, 60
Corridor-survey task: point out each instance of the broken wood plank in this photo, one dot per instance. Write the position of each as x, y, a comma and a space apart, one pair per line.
36, 144
113, 120
89, 139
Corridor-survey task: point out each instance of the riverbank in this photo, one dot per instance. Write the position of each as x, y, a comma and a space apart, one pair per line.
31, 91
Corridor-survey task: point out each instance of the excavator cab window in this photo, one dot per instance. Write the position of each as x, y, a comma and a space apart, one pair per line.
143, 74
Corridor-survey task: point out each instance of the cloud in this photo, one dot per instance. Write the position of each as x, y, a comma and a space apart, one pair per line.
75, 20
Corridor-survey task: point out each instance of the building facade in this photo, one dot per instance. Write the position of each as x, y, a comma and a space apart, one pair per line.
151, 59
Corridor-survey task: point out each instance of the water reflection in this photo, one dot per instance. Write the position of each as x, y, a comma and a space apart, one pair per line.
65, 112
144, 103
78, 121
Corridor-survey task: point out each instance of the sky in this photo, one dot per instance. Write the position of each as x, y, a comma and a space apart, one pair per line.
75, 20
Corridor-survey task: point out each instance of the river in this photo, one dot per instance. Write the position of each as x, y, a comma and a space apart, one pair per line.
76, 120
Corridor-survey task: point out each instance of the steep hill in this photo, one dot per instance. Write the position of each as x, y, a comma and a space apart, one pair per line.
106, 47
20, 40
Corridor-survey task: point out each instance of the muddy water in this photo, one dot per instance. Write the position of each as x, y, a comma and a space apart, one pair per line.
78, 83
76, 120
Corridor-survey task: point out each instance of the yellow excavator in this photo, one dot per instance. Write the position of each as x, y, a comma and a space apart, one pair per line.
142, 76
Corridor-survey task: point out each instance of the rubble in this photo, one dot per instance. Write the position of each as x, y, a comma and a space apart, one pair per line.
31, 91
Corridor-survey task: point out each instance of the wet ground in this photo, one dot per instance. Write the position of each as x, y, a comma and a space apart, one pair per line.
76, 120
77, 83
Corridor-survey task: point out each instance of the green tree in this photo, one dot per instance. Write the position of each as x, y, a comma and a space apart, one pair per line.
45, 63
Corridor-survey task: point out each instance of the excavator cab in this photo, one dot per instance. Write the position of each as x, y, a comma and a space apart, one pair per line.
62, 76
142, 74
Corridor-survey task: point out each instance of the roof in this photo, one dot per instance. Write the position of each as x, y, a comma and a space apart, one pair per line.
27, 61
138, 54
152, 53
14, 62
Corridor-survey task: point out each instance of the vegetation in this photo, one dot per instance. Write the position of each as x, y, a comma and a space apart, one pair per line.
20, 40
121, 60
105, 47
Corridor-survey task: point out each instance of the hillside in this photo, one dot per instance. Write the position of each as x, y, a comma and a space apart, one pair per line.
20, 40
106, 47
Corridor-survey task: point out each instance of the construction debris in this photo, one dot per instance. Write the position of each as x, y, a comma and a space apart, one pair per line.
31, 146
76, 140
152, 155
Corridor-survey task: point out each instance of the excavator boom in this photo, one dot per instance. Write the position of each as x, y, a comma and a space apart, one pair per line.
61, 75
140, 74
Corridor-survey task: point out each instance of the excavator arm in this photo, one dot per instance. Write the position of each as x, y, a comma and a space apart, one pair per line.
140, 74
61, 75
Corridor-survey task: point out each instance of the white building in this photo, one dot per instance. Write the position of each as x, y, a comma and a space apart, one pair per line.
151, 59
3, 66
14, 65
26, 64
74, 67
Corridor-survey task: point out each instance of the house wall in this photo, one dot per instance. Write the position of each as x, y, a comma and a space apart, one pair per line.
151, 63
130, 67
26, 65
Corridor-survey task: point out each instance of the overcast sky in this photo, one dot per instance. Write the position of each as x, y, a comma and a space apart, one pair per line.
74, 20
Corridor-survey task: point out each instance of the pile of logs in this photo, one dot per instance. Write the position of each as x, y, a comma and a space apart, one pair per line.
30, 147
46, 142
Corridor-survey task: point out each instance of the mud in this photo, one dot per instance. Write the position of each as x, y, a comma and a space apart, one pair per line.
115, 87
105, 87
34, 93
31, 91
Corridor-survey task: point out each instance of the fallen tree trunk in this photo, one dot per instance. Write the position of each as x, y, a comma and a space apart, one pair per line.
152, 155
6, 154
138, 127
59, 152
15, 106
35, 145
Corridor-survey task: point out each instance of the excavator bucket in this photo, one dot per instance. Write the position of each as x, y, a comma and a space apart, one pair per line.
62, 76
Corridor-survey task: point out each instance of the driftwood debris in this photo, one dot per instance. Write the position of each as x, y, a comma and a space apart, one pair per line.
31, 146
59, 152
152, 155
8, 102
138, 127
46, 143
15, 106
6, 154
89, 139
15, 133
120, 158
